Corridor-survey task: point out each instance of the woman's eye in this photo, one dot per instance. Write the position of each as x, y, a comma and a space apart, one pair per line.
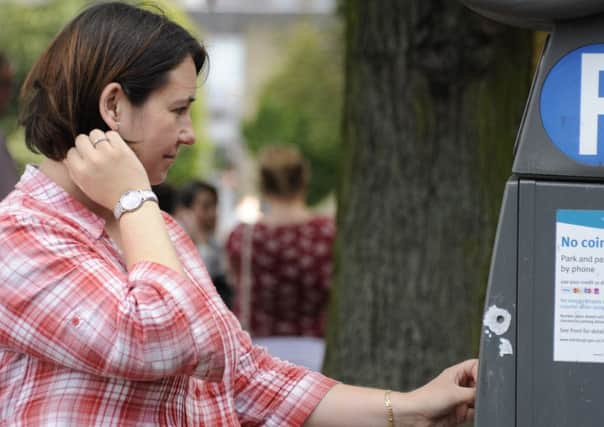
181, 110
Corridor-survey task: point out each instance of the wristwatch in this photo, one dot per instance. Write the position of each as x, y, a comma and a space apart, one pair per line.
132, 200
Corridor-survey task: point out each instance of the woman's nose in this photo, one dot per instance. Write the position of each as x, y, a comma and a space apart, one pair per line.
187, 136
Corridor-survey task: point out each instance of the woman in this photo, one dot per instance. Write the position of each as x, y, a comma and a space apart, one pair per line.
196, 213
107, 315
282, 292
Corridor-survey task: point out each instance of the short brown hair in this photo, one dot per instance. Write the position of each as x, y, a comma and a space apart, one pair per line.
109, 42
283, 171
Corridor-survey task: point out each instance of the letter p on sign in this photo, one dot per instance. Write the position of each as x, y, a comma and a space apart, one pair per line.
592, 104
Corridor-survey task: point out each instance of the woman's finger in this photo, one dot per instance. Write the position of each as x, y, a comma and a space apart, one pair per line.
99, 138
84, 148
73, 161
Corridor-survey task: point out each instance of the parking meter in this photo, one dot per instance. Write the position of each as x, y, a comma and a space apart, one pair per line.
542, 345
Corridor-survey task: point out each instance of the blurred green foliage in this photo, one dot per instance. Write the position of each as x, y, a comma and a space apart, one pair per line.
27, 29
301, 105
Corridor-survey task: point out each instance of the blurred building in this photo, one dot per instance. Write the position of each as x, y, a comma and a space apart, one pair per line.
245, 40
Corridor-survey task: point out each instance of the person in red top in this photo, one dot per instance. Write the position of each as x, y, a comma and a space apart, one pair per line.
282, 264
107, 314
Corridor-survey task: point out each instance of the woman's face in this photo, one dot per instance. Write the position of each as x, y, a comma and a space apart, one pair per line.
163, 123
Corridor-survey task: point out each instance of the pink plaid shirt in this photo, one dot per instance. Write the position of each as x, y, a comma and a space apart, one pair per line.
85, 342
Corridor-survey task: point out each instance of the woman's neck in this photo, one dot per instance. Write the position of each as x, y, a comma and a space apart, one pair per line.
286, 211
57, 172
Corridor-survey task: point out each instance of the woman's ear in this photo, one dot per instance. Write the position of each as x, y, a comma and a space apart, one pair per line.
110, 103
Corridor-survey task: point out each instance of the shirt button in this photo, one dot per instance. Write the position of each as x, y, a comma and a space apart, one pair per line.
198, 392
75, 321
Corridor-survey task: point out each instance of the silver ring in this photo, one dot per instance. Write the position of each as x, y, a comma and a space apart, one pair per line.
98, 141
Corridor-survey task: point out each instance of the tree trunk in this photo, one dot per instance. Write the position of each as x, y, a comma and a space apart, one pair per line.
434, 97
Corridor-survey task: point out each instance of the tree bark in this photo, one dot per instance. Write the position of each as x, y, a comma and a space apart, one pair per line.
434, 97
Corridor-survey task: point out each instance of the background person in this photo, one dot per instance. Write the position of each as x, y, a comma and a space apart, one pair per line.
8, 169
198, 203
107, 316
282, 264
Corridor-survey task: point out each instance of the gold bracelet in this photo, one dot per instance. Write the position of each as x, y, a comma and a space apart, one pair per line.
389, 411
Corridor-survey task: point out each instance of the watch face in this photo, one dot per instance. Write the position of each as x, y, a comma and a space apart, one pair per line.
131, 200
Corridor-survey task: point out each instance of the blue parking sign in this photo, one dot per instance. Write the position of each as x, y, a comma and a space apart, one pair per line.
572, 105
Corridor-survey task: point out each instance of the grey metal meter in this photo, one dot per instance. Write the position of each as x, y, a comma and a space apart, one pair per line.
542, 346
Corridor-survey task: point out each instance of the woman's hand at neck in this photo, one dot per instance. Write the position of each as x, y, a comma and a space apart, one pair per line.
97, 171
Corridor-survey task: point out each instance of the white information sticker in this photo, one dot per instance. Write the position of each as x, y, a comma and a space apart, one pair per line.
579, 310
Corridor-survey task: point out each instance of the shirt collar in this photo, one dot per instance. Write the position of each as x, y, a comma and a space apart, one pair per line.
41, 188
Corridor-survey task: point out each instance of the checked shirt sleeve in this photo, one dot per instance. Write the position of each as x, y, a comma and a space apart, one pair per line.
62, 301
273, 393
